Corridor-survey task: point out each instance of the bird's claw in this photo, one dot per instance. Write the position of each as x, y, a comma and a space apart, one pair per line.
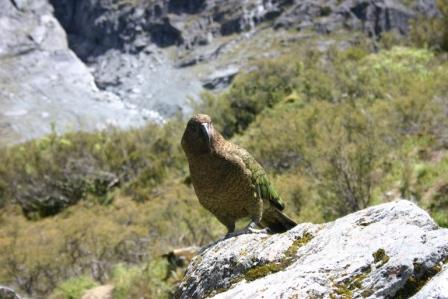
265, 230
250, 229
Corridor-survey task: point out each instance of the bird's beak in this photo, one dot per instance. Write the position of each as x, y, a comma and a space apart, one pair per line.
206, 130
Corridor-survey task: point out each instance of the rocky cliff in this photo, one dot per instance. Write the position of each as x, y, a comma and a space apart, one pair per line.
393, 250
43, 82
85, 64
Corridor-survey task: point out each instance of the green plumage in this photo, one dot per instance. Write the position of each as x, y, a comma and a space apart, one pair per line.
228, 181
259, 178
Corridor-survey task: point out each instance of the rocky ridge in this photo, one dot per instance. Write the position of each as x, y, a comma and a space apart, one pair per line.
393, 250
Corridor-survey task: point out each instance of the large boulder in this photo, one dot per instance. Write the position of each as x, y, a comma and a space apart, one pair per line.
388, 250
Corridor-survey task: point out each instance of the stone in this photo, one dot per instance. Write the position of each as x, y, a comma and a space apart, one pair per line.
221, 78
382, 251
8, 293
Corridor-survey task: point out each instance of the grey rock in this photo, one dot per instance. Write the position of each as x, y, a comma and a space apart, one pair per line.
221, 78
8, 293
43, 83
371, 16
196, 57
372, 253
97, 26
106, 34
148, 81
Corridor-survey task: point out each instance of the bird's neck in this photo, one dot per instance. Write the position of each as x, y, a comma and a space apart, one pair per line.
195, 152
217, 142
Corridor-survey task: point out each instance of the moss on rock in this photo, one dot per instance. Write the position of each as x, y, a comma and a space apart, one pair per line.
266, 269
380, 257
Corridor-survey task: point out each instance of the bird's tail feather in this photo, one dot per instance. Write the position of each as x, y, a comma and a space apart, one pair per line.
278, 222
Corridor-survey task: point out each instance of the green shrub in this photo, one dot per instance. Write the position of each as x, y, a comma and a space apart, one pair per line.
345, 135
123, 279
73, 288
90, 239
267, 84
150, 281
46, 175
432, 32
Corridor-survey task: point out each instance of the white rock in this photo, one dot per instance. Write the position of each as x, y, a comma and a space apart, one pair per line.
372, 253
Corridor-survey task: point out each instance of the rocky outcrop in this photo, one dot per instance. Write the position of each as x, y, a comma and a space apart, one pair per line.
126, 43
97, 26
221, 78
372, 17
44, 84
7, 293
393, 249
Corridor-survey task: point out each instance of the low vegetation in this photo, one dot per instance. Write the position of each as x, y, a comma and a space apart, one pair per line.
337, 131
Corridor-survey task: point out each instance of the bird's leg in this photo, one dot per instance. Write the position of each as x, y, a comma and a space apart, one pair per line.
256, 212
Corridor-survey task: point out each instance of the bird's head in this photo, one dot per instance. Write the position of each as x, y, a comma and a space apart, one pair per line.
199, 135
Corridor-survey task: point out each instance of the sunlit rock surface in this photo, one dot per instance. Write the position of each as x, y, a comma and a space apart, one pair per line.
380, 252
43, 84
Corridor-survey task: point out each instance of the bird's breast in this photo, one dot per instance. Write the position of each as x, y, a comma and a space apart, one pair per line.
217, 179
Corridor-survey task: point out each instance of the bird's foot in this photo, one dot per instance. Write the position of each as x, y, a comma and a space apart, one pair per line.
265, 230
233, 234
249, 229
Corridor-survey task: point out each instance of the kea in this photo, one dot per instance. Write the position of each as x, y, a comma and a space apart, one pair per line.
229, 182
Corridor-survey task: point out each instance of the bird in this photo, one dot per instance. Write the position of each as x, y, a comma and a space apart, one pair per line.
229, 182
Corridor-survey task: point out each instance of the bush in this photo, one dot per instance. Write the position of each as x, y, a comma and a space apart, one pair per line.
46, 175
150, 281
73, 288
432, 32
89, 239
267, 84
344, 142
123, 279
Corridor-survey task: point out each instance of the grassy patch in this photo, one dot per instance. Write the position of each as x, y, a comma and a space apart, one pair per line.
73, 288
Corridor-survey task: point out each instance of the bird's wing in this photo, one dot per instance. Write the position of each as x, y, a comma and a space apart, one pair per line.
264, 188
